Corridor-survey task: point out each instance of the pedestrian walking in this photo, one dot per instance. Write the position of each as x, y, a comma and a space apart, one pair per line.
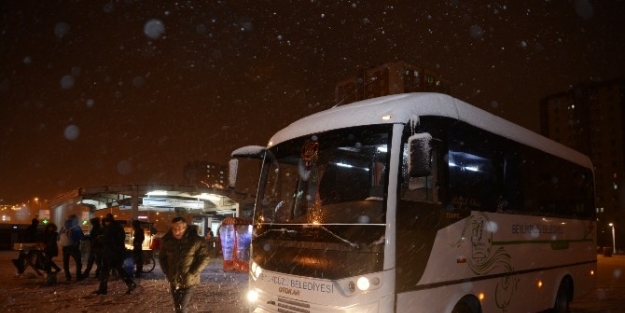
50, 250
95, 248
113, 251
210, 241
137, 247
71, 246
183, 256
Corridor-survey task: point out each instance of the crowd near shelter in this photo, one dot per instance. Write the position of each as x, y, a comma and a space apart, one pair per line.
156, 205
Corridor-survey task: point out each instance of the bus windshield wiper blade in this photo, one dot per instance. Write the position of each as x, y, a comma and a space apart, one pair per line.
281, 230
352, 244
292, 231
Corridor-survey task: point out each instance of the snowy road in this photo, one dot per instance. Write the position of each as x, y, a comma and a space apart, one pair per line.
218, 292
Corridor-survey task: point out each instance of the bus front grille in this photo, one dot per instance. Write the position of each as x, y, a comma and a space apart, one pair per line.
286, 305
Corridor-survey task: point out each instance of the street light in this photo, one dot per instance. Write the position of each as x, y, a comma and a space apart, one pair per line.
613, 238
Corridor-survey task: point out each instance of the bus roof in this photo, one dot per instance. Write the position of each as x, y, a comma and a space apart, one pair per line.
406, 108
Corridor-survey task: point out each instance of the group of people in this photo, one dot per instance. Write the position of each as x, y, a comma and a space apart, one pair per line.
182, 257
50, 249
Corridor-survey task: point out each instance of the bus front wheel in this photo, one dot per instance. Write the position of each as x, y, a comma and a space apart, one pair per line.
467, 304
562, 299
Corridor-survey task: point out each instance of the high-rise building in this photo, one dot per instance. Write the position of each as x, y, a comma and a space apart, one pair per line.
387, 79
591, 119
211, 175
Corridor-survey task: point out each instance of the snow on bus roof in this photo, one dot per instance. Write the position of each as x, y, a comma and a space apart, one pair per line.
406, 108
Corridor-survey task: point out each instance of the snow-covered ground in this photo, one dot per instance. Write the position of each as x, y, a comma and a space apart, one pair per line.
219, 291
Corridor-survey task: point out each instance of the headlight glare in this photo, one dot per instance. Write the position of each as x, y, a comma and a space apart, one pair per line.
252, 296
363, 283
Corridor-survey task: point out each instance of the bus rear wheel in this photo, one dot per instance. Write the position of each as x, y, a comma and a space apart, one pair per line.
467, 304
562, 299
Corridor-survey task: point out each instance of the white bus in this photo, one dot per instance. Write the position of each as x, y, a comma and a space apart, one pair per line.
420, 203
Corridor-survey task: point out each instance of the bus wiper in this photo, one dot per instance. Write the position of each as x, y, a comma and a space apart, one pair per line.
353, 245
291, 231
281, 230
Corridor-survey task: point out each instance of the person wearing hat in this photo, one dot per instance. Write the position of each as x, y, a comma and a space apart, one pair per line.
113, 250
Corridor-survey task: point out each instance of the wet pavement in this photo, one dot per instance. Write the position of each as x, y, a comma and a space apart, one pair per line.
610, 294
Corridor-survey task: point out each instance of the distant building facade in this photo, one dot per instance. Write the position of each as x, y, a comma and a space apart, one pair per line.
207, 174
388, 79
591, 119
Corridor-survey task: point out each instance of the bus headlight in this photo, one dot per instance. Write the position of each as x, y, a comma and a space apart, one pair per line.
363, 283
256, 270
252, 296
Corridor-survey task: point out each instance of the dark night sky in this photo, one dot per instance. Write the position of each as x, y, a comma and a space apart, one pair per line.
95, 93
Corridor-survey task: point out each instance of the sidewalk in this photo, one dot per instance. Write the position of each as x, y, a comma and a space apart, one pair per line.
218, 291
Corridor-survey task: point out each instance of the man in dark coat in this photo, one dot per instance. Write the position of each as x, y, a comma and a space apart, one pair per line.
31, 233
183, 256
113, 251
95, 253
30, 236
51, 250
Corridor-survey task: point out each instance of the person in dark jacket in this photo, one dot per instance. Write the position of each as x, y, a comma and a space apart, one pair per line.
95, 248
51, 249
137, 246
73, 250
30, 236
183, 256
113, 251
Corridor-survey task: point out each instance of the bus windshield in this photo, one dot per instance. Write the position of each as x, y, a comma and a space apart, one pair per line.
322, 196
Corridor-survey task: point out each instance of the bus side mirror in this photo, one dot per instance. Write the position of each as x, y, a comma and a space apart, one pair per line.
419, 155
248, 152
